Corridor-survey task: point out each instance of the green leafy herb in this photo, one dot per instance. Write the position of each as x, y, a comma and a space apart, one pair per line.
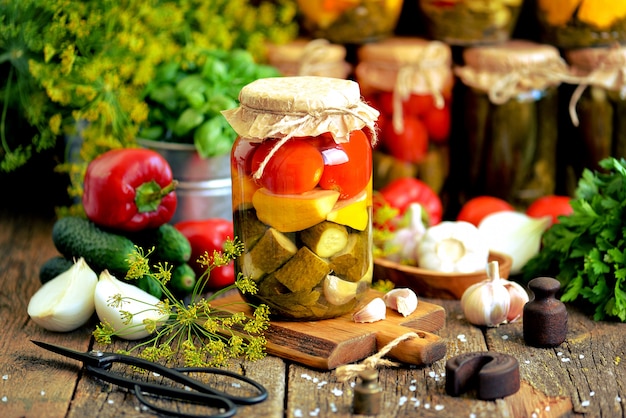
186, 98
586, 251
206, 335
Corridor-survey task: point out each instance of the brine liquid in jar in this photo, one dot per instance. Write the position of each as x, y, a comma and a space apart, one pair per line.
302, 194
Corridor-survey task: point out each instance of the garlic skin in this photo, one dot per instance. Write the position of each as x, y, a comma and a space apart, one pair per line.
403, 300
487, 303
65, 303
519, 298
135, 301
375, 310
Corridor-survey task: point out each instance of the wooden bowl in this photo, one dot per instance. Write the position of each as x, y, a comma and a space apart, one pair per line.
432, 284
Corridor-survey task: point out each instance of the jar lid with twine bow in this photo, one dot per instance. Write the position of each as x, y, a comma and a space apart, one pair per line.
405, 66
287, 107
512, 68
316, 57
603, 67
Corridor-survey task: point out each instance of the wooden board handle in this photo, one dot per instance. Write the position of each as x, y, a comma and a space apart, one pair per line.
425, 349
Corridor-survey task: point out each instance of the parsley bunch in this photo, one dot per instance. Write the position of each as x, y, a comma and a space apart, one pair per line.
586, 251
206, 335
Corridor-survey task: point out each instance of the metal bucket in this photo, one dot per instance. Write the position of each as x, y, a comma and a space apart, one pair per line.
204, 185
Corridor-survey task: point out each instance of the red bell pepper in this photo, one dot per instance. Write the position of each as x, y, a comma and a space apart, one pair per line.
400, 193
209, 235
129, 189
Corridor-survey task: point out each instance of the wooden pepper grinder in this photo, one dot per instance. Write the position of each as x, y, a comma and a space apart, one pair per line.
545, 317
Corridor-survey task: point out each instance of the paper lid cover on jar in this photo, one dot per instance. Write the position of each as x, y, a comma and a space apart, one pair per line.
284, 107
507, 69
421, 64
309, 57
599, 66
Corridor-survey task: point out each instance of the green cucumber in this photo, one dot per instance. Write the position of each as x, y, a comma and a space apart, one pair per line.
168, 242
183, 279
53, 267
76, 237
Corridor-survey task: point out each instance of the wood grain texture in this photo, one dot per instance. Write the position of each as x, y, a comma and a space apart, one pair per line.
330, 343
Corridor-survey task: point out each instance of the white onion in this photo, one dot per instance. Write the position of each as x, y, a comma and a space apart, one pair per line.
515, 234
66, 302
139, 303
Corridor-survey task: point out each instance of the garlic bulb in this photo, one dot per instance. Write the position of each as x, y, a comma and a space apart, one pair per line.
403, 247
519, 298
115, 299
515, 234
403, 300
453, 247
487, 303
65, 302
375, 310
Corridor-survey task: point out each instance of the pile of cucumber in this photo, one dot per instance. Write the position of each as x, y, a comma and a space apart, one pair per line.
76, 237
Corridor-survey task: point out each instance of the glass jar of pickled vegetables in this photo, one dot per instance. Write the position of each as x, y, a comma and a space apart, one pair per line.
350, 21
510, 102
597, 109
470, 22
302, 194
316, 57
409, 81
581, 23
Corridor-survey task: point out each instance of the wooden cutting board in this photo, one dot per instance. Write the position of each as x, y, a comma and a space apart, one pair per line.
329, 343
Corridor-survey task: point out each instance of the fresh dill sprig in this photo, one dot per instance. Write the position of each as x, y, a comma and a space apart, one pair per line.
205, 335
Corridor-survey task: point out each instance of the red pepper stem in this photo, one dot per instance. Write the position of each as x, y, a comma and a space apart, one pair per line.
148, 196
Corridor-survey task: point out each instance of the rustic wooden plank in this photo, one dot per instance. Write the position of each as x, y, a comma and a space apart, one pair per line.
34, 383
407, 390
332, 342
582, 376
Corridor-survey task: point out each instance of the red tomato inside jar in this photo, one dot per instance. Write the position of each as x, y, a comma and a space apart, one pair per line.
409, 80
302, 194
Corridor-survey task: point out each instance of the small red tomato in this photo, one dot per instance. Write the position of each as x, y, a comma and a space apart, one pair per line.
552, 205
475, 209
410, 145
419, 104
400, 193
296, 167
347, 166
437, 122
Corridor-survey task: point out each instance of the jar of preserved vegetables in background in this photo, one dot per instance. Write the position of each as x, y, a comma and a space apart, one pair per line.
597, 109
350, 22
409, 80
581, 23
510, 133
470, 22
302, 194
316, 57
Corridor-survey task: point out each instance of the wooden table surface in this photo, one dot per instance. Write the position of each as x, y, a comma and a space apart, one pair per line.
585, 376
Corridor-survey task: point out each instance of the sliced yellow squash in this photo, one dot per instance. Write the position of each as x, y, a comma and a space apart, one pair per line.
290, 213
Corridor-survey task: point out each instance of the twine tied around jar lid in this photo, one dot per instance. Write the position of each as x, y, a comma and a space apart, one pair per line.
507, 70
317, 57
286, 107
598, 67
406, 66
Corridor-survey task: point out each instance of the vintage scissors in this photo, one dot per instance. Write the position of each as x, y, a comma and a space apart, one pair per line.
98, 364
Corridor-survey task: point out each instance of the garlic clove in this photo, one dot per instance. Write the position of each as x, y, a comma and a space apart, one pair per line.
375, 310
403, 300
66, 302
519, 298
134, 301
487, 303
